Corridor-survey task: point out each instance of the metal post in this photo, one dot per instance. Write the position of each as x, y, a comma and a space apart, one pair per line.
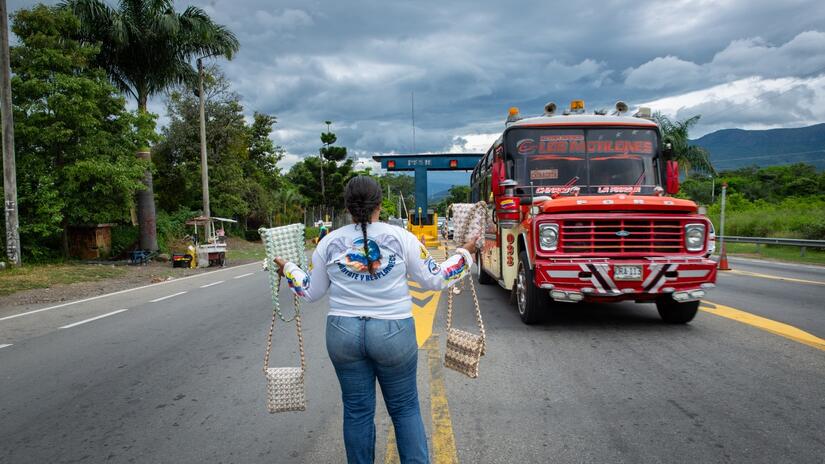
712, 189
204, 164
9, 168
722, 218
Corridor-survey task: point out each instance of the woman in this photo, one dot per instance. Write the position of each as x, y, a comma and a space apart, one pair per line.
370, 331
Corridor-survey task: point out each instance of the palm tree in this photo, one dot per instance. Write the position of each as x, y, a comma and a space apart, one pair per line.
291, 206
691, 157
146, 46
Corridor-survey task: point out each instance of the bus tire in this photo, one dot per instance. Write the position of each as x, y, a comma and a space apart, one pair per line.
531, 301
483, 277
674, 312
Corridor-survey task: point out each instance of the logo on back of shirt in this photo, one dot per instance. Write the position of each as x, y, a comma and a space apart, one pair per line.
354, 263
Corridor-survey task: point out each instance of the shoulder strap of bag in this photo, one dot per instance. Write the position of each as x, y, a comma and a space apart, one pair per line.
479, 320
276, 314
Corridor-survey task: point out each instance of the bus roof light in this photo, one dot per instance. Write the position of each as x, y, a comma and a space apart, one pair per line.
512, 116
577, 106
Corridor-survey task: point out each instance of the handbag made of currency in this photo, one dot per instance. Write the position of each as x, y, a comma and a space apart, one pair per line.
469, 220
464, 349
284, 385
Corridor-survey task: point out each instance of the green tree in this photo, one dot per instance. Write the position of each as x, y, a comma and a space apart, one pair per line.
456, 194
304, 175
690, 157
74, 138
330, 153
242, 158
146, 47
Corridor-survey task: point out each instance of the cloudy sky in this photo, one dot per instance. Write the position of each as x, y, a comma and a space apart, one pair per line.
738, 63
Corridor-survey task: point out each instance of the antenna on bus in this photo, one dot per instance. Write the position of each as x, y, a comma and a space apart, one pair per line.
412, 111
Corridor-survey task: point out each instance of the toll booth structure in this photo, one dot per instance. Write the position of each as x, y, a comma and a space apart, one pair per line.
422, 221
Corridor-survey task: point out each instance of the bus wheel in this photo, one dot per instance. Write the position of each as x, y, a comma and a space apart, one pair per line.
529, 299
483, 277
674, 312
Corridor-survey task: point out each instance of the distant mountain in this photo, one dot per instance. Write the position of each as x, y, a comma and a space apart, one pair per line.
736, 148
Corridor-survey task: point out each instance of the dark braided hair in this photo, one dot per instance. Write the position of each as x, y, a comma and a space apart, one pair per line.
361, 197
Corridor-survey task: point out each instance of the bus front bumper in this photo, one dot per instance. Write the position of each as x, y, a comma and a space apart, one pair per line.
686, 278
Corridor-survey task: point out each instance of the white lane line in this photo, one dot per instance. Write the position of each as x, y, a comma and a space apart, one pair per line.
93, 319
5, 345
243, 275
166, 297
213, 283
123, 291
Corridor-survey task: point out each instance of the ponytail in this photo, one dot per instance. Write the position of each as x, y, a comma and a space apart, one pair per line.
367, 248
362, 196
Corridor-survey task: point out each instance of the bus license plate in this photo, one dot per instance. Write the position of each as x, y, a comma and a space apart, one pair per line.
627, 272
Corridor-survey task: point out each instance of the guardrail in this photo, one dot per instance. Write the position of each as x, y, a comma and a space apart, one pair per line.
802, 243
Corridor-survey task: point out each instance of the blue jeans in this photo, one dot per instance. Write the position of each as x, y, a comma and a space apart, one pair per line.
363, 349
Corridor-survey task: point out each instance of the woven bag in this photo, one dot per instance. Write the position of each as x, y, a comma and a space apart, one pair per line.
469, 220
464, 349
284, 385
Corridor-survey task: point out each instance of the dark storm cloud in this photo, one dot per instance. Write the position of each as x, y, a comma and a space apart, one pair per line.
356, 62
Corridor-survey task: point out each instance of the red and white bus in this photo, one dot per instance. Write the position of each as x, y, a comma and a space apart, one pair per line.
580, 212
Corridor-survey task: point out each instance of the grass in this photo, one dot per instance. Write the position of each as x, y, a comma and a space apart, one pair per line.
46, 275
777, 253
240, 250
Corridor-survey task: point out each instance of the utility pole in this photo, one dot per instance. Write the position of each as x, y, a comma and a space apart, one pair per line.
321, 155
204, 164
722, 217
9, 168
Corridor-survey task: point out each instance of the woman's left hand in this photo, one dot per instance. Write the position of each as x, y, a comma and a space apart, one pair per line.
281, 263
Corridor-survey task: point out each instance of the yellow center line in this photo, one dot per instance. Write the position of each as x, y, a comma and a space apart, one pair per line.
774, 277
424, 316
768, 325
444, 450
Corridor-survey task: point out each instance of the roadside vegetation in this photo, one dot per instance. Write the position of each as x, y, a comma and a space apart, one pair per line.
775, 201
777, 253
29, 277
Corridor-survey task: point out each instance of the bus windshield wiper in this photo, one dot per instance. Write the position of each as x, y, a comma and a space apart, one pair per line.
566, 187
638, 183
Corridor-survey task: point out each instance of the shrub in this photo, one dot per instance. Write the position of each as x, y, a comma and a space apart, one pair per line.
124, 239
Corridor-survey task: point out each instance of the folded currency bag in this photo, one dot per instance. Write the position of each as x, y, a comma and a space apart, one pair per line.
284, 385
465, 349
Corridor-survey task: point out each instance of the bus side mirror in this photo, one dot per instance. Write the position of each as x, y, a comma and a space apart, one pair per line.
667, 150
672, 177
498, 176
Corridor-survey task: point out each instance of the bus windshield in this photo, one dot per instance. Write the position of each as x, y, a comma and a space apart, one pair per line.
596, 161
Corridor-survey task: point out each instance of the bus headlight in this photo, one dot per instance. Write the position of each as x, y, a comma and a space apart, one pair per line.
695, 237
548, 237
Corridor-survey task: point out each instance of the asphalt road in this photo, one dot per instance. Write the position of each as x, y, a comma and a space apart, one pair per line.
176, 377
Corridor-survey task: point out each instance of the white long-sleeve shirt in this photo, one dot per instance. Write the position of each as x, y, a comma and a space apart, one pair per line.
339, 266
